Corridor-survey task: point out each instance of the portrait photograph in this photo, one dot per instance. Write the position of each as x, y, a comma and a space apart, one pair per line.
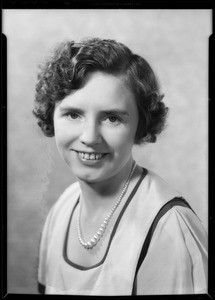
107, 151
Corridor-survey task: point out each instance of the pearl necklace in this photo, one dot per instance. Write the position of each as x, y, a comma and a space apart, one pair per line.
96, 238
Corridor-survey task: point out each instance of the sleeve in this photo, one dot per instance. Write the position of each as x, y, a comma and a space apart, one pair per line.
176, 262
43, 249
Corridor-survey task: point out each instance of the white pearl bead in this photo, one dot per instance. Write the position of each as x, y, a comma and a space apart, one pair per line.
92, 241
96, 237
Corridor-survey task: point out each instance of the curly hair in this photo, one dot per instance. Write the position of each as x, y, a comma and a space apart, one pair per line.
69, 65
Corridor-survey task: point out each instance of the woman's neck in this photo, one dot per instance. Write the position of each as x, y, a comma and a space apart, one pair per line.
99, 197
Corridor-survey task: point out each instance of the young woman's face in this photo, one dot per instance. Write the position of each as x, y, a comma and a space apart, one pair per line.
95, 128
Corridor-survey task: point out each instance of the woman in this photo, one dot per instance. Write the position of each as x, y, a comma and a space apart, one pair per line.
120, 229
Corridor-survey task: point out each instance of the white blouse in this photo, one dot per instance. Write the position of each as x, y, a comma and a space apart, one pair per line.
176, 261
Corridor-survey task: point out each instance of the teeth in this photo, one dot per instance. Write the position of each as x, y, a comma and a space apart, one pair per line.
86, 156
90, 156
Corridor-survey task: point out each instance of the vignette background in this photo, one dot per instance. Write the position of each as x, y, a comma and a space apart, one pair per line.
175, 42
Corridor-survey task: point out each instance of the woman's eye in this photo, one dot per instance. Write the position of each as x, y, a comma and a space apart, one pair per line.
114, 119
72, 115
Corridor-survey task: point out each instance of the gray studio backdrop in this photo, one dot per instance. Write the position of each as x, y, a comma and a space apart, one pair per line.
175, 42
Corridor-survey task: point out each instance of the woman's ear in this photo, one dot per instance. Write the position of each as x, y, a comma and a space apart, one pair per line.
48, 130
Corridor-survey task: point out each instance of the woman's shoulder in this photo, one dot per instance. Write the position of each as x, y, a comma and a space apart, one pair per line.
65, 202
158, 182
177, 254
69, 194
181, 222
157, 190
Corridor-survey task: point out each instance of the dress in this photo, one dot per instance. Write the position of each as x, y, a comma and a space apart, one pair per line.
175, 263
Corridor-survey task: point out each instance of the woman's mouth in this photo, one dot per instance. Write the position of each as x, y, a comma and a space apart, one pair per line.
90, 156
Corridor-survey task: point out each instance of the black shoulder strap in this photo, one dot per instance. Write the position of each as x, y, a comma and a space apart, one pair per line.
176, 201
41, 288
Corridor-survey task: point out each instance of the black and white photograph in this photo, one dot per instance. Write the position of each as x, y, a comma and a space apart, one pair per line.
107, 151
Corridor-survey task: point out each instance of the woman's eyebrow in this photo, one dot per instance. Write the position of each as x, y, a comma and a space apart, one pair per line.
69, 108
115, 112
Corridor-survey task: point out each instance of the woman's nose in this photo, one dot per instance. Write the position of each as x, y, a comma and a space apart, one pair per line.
90, 135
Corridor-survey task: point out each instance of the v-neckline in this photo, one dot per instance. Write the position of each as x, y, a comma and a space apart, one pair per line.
65, 255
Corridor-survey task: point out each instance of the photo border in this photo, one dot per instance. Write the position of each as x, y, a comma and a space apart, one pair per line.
73, 4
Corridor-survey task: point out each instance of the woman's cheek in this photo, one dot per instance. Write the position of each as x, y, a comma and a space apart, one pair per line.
121, 137
64, 134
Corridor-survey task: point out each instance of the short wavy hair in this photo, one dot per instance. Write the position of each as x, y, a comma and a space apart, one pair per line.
71, 62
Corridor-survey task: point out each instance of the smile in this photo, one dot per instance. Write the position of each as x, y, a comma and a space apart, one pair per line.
90, 156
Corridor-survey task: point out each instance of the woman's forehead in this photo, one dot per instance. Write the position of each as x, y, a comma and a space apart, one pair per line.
101, 89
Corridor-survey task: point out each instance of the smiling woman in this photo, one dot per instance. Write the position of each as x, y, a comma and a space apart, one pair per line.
90, 137
120, 229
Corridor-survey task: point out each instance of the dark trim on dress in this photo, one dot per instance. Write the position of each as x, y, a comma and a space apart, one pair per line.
65, 256
41, 288
166, 207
